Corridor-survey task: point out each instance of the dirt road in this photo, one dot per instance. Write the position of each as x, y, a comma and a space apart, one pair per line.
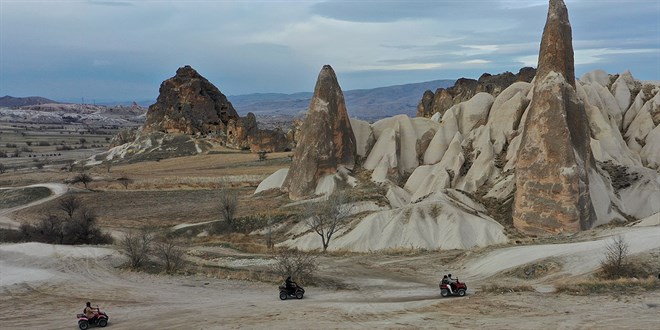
386, 292
57, 190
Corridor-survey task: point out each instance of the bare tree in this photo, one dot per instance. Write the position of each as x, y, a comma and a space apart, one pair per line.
3, 169
170, 251
124, 181
327, 217
69, 204
295, 263
228, 204
84, 178
52, 228
616, 254
137, 245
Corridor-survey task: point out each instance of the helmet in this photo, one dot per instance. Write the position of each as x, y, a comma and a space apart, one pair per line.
89, 304
449, 275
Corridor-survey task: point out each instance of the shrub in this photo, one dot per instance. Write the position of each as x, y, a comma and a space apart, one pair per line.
228, 204
170, 252
137, 246
297, 264
615, 264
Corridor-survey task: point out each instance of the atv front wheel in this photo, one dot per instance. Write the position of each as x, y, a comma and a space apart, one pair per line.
461, 292
444, 292
103, 323
83, 325
283, 295
299, 295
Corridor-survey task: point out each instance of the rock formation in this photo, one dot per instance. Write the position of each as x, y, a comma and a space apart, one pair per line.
465, 89
327, 140
554, 159
189, 104
558, 155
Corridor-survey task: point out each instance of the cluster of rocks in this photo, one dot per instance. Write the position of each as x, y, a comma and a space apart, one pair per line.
191, 107
563, 155
464, 89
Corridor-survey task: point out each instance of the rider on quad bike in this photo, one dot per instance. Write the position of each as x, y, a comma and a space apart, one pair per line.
291, 289
450, 286
92, 316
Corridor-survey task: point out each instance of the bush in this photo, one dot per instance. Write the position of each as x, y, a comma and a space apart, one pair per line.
228, 204
170, 252
616, 265
79, 229
297, 264
137, 246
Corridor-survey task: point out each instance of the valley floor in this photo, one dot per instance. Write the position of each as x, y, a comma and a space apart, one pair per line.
382, 292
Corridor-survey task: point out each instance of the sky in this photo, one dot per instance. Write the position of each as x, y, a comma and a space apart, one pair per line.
121, 50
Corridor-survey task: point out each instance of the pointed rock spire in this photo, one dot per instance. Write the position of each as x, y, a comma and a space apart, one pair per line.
556, 52
554, 160
327, 140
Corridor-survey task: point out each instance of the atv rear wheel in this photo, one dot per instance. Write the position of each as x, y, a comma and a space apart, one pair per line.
444, 292
103, 323
299, 295
83, 325
461, 292
283, 295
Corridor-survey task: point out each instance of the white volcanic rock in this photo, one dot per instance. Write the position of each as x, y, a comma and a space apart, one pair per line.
650, 153
643, 124
364, 136
642, 196
622, 90
599, 77
506, 113
273, 181
443, 223
383, 155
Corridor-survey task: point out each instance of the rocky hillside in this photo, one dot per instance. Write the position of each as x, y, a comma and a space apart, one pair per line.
191, 116
556, 155
366, 104
11, 102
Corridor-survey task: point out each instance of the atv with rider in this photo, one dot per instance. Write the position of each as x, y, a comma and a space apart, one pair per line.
452, 287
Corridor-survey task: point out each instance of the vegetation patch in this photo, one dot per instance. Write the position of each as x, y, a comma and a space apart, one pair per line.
536, 269
501, 289
16, 197
618, 286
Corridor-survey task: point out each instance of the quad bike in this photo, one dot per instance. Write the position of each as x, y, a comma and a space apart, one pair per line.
100, 319
458, 288
295, 291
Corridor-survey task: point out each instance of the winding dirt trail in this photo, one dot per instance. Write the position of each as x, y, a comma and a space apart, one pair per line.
57, 190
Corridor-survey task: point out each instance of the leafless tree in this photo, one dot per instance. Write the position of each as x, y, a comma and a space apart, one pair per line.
295, 263
228, 204
69, 204
84, 178
329, 216
137, 246
616, 254
3, 169
124, 181
169, 250
52, 228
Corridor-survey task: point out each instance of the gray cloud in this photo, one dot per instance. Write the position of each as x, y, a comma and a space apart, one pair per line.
124, 49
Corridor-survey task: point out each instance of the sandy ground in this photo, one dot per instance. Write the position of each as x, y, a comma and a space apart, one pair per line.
44, 286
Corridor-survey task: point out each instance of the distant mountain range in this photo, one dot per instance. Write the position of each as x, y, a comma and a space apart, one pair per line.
368, 104
10, 101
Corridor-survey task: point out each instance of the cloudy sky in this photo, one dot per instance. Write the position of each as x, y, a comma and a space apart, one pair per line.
122, 50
